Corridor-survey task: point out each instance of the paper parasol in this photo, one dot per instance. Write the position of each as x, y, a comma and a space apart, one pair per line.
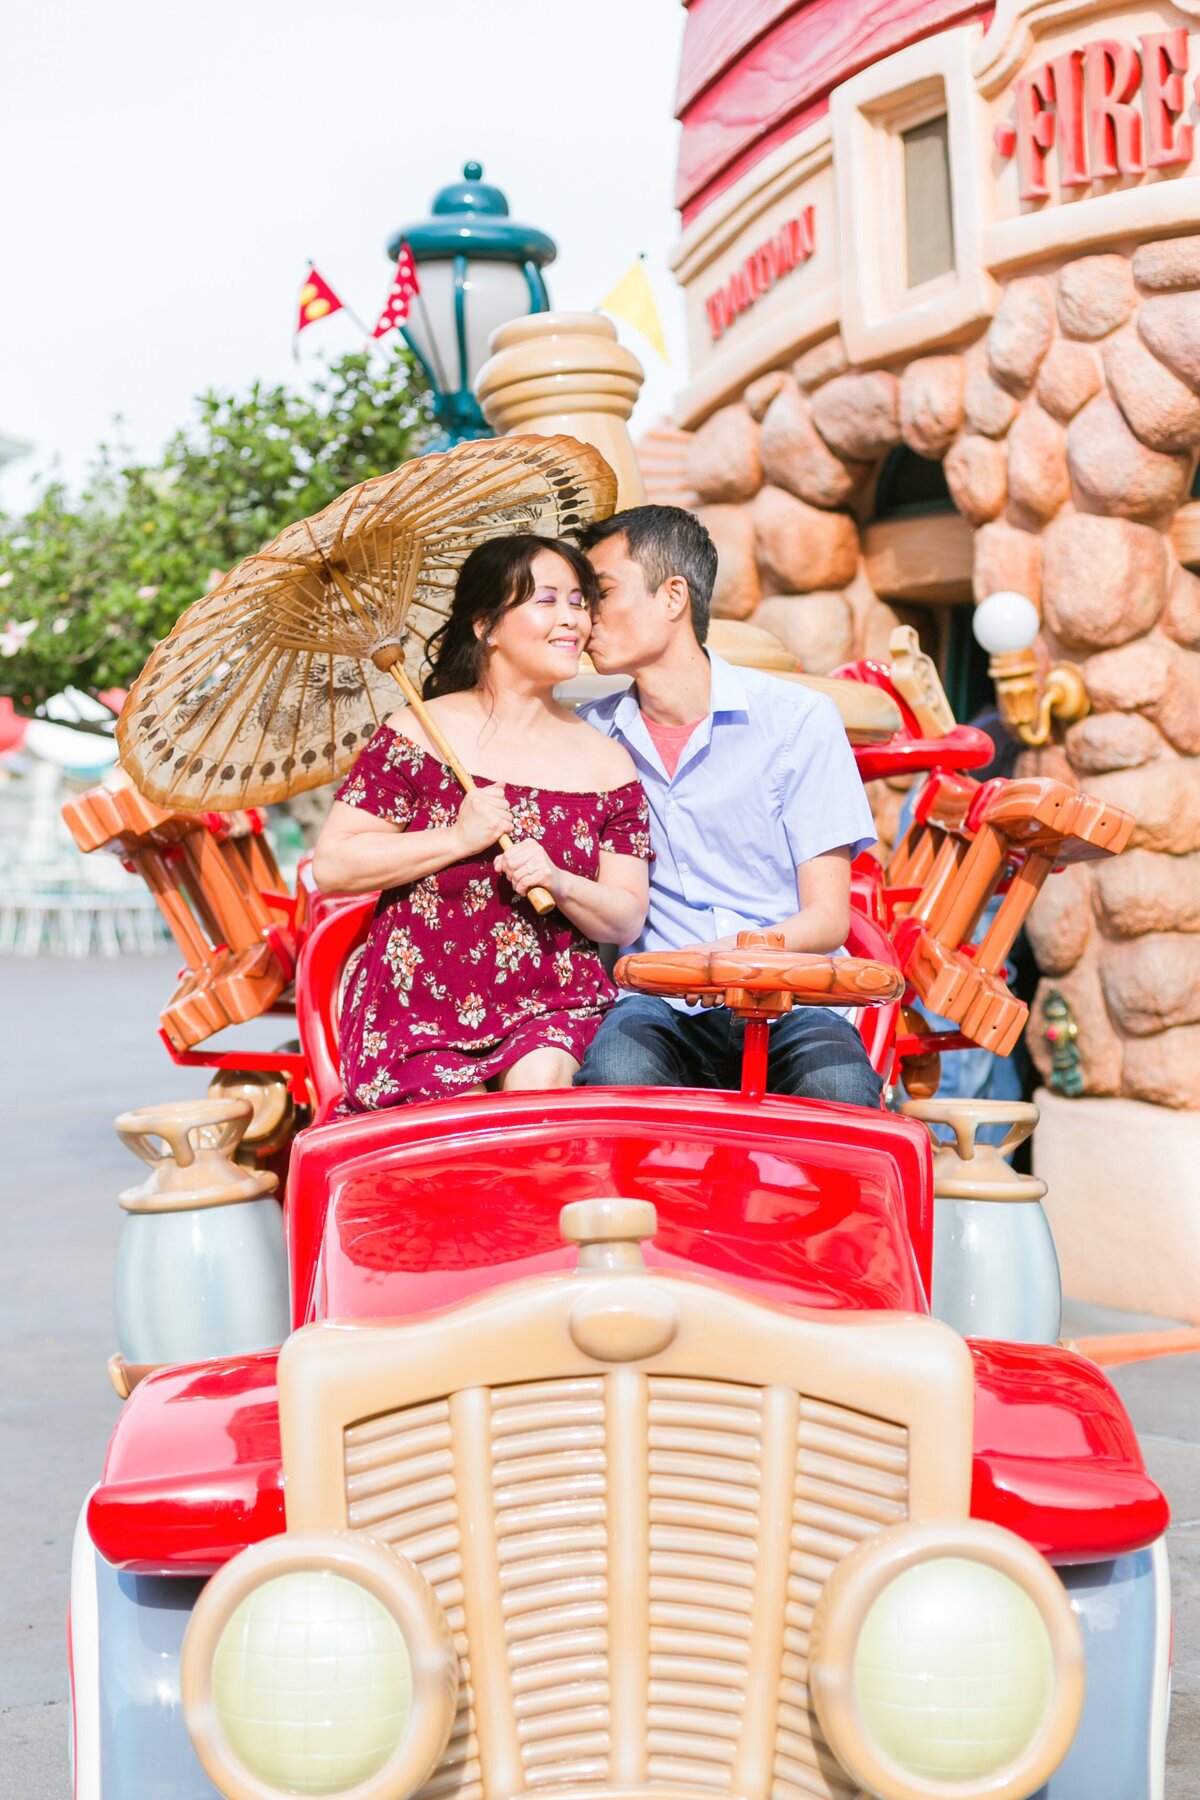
274, 681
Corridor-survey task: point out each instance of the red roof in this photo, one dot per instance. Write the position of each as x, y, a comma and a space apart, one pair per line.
755, 72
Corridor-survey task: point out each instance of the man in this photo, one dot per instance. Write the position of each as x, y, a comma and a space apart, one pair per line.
756, 812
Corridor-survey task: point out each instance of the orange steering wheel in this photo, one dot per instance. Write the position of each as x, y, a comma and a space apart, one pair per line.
759, 979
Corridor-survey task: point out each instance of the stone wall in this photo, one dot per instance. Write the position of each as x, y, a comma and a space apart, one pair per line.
1068, 437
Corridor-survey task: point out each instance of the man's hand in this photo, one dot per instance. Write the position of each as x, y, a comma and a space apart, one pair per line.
527, 866
708, 1001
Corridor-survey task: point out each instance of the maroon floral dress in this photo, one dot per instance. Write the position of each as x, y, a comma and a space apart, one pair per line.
459, 978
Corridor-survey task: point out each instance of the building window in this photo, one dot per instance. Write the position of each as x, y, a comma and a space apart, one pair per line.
929, 223
910, 496
910, 484
910, 137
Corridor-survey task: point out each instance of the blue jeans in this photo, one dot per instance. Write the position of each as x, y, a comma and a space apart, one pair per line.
645, 1042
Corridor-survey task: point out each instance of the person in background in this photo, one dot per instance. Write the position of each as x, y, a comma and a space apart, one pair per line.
978, 1074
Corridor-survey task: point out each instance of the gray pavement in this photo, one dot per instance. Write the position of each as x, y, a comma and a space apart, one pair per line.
1163, 1398
79, 1045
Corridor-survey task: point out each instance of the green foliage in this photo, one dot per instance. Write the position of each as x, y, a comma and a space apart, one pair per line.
104, 576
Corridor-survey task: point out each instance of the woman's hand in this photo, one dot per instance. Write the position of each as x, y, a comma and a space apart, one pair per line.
527, 865
483, 817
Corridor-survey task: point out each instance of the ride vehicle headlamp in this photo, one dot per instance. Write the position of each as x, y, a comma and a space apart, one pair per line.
945, 1663
319, 1663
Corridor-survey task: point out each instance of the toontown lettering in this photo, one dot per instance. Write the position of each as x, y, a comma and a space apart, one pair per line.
791, 245
1106, 109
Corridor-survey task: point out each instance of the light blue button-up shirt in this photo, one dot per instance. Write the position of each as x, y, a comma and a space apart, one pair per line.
767, 781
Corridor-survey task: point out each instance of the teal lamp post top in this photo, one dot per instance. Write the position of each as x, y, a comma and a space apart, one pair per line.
476, 269
472, 215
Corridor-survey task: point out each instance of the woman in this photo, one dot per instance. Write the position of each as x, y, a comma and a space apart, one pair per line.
462, 984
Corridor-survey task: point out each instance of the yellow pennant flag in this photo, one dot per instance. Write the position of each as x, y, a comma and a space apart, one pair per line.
633, 300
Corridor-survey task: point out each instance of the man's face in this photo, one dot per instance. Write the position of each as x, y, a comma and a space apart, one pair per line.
632, 625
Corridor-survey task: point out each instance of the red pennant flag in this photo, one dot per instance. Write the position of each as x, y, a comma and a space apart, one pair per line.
317, 300
404, 286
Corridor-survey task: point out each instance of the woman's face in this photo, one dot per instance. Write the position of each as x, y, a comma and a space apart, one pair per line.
540, 640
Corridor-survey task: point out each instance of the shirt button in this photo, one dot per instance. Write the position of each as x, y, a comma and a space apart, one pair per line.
684, 869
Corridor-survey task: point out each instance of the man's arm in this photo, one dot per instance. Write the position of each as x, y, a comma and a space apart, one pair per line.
827, 821
820, 926
823, 890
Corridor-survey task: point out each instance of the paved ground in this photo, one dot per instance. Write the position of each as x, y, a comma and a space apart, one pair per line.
1163, 1397
80, 1046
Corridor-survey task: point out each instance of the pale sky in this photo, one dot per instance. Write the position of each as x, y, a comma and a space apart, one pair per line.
169, 168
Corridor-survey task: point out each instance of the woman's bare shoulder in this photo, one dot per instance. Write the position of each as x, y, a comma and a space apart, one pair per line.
405, 723
447, 711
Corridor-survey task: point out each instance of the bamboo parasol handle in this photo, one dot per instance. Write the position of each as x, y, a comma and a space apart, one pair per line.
539, 898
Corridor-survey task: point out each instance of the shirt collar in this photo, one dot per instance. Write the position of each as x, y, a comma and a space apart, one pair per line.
727, 695
728, 688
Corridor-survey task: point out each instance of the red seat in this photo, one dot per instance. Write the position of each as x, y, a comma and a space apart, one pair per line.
319, 987
319, 973
877, 1025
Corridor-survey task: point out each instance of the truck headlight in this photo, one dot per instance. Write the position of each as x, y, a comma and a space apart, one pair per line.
945, 1661
319, 1663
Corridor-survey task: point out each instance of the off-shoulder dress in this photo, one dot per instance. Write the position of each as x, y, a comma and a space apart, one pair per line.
460, 978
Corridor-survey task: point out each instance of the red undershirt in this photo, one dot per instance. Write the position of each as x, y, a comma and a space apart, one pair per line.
670, 741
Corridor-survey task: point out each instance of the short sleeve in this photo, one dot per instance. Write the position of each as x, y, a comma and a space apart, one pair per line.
381, 781
625, 828
824, 805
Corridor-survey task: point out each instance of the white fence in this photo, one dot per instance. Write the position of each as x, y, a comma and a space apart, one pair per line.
80, 924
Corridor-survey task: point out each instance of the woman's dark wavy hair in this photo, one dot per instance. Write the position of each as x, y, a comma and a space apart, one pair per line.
496, 577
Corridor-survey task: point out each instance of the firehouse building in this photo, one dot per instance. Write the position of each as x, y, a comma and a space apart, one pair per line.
942, 269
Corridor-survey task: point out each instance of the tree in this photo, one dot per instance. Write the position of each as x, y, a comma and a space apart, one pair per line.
88, 585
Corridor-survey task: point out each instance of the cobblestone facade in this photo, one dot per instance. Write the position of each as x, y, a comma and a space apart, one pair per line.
1068, 434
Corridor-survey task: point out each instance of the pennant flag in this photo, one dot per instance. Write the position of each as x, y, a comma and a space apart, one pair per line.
633, 300
404, 287
317, 300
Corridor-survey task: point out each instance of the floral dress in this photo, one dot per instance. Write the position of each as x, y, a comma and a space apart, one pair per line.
459, 978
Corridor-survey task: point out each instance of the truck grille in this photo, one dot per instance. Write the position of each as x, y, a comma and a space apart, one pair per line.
640, 1576
400, 1488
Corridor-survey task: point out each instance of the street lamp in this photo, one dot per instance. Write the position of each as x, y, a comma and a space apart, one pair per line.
476, 269
1006, 625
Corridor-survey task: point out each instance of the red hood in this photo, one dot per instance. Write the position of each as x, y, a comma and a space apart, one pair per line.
821, 1205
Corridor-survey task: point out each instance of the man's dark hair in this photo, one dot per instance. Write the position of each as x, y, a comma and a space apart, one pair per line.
666, 541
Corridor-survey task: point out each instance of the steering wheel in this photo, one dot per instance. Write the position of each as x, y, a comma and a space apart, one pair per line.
759, 979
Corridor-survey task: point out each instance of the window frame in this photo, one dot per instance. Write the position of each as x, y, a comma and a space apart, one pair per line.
882, 316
